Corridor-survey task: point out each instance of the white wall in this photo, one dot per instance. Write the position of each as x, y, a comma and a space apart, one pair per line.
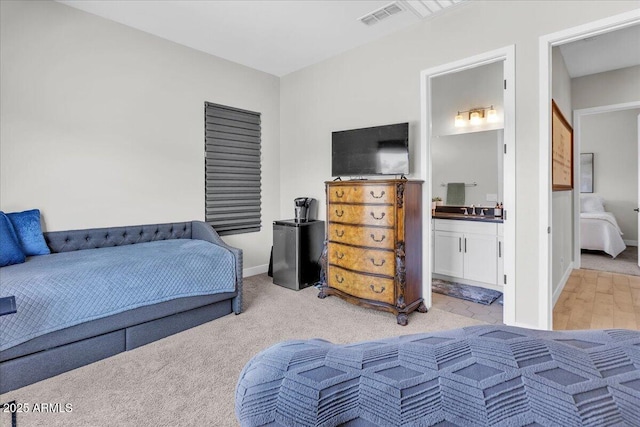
613, 138
612, 87
102, 125
477, 87
470, 157
379, 83
561, 84
561, 201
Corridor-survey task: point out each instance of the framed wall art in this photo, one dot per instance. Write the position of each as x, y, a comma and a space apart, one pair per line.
561, 151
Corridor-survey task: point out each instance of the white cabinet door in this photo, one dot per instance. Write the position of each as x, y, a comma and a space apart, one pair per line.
448, 255
480, 257
500, 280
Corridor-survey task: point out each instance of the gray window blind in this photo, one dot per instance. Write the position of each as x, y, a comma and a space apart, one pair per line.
232, 169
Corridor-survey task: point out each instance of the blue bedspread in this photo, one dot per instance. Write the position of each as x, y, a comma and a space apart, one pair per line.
60, 290
477, 376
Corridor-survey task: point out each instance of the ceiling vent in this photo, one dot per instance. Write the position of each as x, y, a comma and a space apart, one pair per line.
380, 14
427, 8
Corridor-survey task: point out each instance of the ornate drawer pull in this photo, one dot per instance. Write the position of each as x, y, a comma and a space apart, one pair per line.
340, 279
376, 240
341, 213
341, 233
376, 197
374, 263
377, 292
374, 215
340, 194
340, 255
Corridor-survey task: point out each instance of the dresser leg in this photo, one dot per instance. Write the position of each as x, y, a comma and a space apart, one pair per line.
422, 308
321, 294
403, 319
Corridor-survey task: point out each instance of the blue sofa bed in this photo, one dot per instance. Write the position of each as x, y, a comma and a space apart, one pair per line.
476, 376
104, 291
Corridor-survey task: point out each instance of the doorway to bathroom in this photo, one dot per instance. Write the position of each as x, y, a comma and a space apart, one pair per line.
468, 163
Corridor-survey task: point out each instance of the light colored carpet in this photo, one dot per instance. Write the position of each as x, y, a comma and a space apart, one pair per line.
189, 379
625, 263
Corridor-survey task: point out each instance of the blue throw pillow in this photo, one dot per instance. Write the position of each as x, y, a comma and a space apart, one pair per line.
10, 250
29, 232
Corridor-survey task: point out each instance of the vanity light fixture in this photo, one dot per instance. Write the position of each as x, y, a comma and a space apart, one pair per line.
492, 115
476, 116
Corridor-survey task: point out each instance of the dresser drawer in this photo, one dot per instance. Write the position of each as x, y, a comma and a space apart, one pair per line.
365, 260
370, 237
362, 286
362, 214
361, 194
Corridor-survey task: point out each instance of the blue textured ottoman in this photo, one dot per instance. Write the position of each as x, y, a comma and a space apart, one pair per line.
476, 376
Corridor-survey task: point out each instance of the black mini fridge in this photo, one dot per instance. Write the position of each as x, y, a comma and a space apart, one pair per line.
297, 247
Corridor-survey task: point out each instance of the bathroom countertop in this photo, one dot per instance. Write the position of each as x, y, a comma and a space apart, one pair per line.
463, 217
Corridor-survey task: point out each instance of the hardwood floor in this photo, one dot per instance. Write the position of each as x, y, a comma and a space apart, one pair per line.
598, 300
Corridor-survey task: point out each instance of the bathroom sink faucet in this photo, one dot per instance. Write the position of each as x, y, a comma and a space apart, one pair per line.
466, 212
473, 210
482, 211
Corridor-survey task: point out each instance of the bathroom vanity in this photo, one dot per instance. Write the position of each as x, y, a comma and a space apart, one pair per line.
468, 249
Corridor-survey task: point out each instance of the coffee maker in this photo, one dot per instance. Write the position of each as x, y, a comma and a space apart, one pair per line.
302, 208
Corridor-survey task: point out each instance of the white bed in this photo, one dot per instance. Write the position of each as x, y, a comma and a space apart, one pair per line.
599, 230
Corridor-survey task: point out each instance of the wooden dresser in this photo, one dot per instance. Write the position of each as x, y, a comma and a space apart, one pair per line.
373, 251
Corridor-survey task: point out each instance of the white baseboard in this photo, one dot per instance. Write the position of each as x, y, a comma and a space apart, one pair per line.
562, 283
525, 325
253, 271
631, 242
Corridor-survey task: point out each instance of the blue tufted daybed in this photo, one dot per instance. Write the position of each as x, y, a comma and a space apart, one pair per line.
104, 291
476, 376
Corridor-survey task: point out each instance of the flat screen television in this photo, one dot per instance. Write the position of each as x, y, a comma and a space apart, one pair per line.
379, 150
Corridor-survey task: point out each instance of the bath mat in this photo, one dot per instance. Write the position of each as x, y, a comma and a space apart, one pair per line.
466, 292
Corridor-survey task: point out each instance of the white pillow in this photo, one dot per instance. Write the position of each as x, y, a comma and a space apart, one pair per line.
591, 203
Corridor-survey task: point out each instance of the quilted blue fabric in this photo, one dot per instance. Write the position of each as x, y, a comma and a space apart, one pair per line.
64, 289
10, 249
29, 232
476, 376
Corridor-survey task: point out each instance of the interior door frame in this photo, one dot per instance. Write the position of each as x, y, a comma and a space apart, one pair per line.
546, 44
507, 56
577, 135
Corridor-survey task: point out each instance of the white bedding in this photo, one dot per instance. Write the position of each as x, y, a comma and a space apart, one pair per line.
600, 231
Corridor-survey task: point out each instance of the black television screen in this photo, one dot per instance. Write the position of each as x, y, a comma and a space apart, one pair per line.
380, 150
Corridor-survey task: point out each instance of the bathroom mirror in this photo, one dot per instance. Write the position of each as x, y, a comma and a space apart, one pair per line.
464, 151
474, 159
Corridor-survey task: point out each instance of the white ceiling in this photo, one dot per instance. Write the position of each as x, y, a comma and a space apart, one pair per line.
606, 52
274, 36
282, 36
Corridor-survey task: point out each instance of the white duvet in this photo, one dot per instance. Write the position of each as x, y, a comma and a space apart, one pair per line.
600, 231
